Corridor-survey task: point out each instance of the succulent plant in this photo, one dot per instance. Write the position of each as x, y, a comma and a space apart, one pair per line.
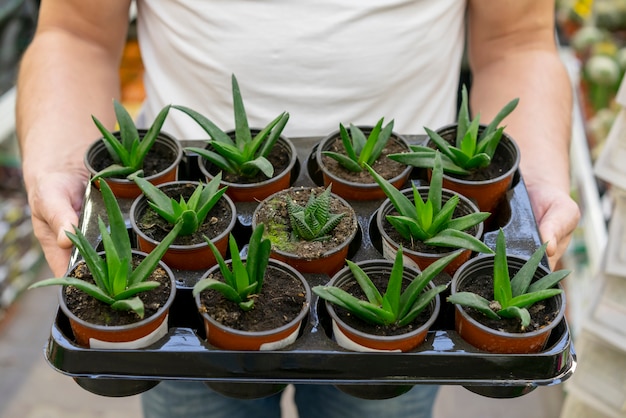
359, 149
314, 220
128, 151
430, 221
115, 281
394, 306
512, 296
245, 155
191, 212
473, 149
242, 280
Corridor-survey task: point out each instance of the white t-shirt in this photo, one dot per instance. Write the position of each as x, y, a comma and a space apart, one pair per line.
323, 61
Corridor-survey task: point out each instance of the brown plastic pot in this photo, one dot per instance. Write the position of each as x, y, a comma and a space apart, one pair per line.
352, 190
353, 339
486, 193
420, 259
250, 192
327, 263
124, 188
228, 338
137, 335
492, 340
184, 257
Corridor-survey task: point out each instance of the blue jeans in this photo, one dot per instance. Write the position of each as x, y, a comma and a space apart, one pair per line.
172, 399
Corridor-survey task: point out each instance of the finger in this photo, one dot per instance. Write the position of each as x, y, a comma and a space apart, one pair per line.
556, 228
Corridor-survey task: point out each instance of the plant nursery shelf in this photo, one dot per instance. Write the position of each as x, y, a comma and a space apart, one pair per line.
444, 358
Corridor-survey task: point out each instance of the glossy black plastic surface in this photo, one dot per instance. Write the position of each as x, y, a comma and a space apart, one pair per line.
315, 358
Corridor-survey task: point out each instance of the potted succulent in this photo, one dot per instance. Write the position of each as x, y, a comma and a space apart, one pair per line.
429, 222
342, 155
203, 209
129, 150
249, 158
310, 228
399, 319
503, 314
254, 303
103, 294
241, 285
478, 161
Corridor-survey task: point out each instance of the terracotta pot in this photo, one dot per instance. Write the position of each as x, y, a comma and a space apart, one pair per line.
233, 339
125, 188
138, 335
486, 193
330, 261
250, 192
354, 339
184, 257
419, 259
352, 190
495, 341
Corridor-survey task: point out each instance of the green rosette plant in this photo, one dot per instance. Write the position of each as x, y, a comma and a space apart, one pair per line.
429, 220
243, 280
192, 212
394, 307
128, 151
361, 150
473, 149
246, 155
116, 282
512, 296
313, 222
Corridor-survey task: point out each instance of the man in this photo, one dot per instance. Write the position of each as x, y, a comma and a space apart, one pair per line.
325, 62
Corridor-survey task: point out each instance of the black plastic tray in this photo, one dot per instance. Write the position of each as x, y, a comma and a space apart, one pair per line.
444, 358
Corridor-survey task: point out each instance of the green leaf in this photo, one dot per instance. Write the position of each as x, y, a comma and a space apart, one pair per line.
474, 301
148, 140
215, 133
514, 312
128, 131
381, 142
149, 263
258, 164
528, 299
259, 250
370, 143
548, 281
524, 276
394, 285
242, 130
370, 290
501, 281
135, 304
137, 288
397, 198
92, 290
214, 158
347, 301
458, 239
344, 161
229, 278
112, 143
463, 119
276, 126
504, 112
226, 290
351, 145
467, 221
420, 304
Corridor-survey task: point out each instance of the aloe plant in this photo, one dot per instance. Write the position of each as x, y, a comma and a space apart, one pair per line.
512, 296
359, 149
243, 280
473, 149
394, 306
129, 151
116, 282
313, 222
430, 221
191, 212
245, 155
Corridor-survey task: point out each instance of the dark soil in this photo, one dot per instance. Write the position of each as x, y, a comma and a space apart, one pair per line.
216, 222
282, 298
380, 280
384, 166
158, 159
95, 312
273, 213
542, 313
280, 157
